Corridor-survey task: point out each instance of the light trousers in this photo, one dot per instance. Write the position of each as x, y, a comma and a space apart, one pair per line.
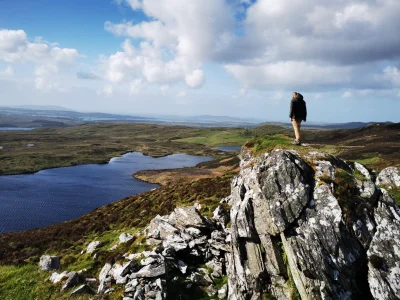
296, 127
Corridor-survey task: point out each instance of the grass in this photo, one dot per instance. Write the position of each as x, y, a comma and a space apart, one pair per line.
220, 137
294, 293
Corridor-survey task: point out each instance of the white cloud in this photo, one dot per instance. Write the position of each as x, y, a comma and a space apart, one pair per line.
347, 95
195, 79
179, 37
106, 90
49, 58
9, 71
289, 74
14, 46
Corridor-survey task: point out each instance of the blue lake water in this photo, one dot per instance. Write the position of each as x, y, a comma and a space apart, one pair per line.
56, 195
14, 129
230, 148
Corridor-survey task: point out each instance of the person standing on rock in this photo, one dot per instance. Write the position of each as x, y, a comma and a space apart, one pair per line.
298, 113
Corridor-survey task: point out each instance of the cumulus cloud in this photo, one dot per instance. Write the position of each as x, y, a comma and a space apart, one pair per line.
15, 47
178, 38
282, 44
313, 45
195, 79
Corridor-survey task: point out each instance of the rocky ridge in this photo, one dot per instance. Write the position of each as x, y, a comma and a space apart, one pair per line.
300, 226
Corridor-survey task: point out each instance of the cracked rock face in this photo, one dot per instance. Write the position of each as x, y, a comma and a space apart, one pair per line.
309, 222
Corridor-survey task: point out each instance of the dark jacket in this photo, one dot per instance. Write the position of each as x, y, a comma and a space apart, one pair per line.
298, 109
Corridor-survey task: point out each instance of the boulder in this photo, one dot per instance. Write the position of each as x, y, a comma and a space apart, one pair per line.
93, 246
56, 277
104, 278
48, 263
150, 271
187, 216
73, 279
389, 176
125, 237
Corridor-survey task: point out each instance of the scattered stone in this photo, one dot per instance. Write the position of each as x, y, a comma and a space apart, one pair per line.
73, 279
104, 278
150, 271
55, 277
389, 176
125, 237
93, 246
187, 216
48, 263
113, 247
83, 289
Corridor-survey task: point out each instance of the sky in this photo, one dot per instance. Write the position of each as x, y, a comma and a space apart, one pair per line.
240, 58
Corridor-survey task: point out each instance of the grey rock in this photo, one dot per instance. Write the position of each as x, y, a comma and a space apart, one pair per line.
48, 263
125, 237
93, 246
56, 277
384, 251
150, 271
83, 289
160, 228
389, 177
73, 279
187, 216
221, 215
128, 267
139, 294
199, 279
117, 270
104, 274
149, 260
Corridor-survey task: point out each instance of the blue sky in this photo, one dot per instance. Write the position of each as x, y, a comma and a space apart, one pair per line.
236, 58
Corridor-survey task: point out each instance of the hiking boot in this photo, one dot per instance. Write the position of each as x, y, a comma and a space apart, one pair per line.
296, 142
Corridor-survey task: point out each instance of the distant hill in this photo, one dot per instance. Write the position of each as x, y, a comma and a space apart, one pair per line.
42, 107
348, 125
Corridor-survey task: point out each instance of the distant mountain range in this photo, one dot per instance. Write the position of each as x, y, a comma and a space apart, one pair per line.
44, 115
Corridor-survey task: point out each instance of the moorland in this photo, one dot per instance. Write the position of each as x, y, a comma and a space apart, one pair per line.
377, 146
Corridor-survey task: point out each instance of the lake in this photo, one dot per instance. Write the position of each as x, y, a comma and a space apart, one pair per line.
230, 148
14, 129
56, 195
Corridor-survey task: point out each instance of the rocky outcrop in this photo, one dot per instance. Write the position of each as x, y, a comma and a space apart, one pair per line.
300, 226
309, 226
